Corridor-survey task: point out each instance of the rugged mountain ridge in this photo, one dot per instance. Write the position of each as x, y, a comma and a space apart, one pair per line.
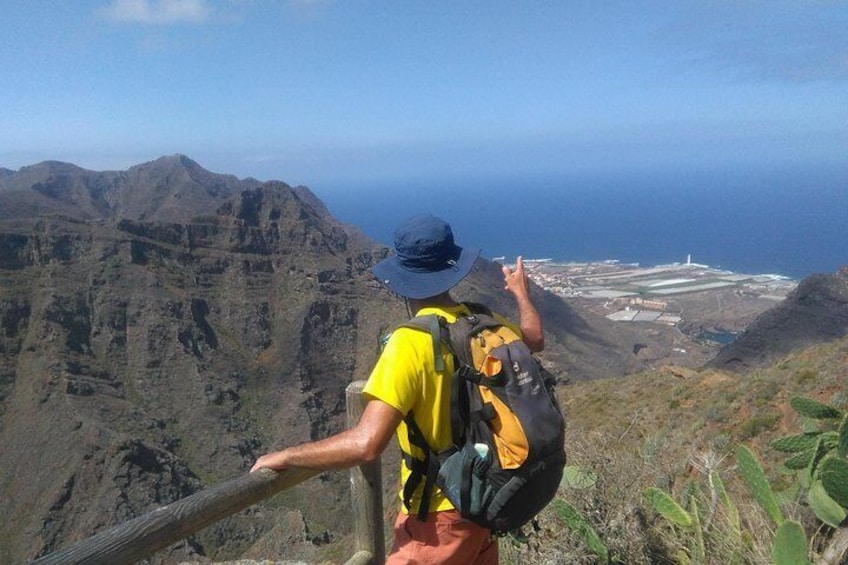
169, 189
131, 354
815, 312
162, 326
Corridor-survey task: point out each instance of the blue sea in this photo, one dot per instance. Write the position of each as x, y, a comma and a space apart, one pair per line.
777, 222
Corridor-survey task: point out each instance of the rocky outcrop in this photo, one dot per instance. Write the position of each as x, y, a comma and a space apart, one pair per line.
141, 360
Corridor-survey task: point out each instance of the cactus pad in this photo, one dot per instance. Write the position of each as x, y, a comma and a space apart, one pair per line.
666, 506
813, 408
790, 544
800, 460
756, 480
578, 477
826, 509
833, 473
796, 443
578, 524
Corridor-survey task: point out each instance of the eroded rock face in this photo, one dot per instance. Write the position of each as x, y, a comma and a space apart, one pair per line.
138, 356
164, 326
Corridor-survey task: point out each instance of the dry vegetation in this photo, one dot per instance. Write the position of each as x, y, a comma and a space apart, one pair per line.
668, 429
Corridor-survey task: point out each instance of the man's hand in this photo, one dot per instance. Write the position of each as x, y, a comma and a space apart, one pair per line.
361, 444
516, 281
530, 322
275, 461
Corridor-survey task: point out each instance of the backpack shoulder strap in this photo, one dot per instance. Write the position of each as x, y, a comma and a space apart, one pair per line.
434, 325
478, 308
428, 469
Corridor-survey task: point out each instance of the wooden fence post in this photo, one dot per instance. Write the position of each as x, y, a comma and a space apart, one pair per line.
366, 488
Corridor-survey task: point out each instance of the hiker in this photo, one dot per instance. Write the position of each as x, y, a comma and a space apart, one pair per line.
426, 265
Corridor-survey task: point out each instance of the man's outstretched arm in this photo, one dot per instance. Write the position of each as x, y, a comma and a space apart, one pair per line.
530, 322
360, 444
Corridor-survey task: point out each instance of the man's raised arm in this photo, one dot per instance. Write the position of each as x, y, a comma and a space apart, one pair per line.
529, 320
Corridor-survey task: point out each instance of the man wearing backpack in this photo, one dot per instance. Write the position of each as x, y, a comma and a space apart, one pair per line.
410, 389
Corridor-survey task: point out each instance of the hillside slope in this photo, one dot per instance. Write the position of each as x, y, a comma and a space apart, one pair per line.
815, 312
669, 428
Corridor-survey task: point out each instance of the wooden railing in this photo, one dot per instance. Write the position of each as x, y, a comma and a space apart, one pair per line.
143, 536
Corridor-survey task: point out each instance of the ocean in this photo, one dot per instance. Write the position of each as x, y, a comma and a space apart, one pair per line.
790, 224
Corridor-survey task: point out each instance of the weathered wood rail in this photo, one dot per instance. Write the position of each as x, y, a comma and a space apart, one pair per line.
143, 536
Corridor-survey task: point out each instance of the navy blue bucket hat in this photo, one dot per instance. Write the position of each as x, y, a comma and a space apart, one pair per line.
427, 262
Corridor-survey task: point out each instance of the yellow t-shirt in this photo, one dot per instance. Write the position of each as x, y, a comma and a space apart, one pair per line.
406, 379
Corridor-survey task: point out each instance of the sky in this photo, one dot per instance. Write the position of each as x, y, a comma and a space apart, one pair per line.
331, 93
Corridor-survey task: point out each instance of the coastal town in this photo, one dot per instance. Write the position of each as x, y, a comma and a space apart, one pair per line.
701, 299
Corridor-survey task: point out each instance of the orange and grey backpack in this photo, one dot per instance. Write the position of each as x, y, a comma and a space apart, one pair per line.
507, 429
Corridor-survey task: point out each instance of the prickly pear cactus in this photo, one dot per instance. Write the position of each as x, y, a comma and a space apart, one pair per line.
813, 408
800, 460
666, 506
825, 508
790, 544
819, 452
759, 486
796, 443
581, 527
699, 550
830, 440
833, 473
578, 477
843, 437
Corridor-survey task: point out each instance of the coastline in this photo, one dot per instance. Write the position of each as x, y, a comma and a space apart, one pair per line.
705, 303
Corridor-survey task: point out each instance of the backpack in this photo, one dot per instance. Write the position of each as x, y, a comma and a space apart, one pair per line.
507, 429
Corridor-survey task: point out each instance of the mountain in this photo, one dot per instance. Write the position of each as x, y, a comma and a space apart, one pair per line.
164, 325
142, 360
172, 188
815, 312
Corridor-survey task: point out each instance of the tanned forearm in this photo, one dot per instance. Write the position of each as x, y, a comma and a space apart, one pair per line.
529, 320
341, 451
530, 323
361, 444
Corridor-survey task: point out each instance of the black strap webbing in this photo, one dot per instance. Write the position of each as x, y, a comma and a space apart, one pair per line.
436, 335
465, 486
458, 406
428, 470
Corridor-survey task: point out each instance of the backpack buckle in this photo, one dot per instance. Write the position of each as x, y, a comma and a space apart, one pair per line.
468, 373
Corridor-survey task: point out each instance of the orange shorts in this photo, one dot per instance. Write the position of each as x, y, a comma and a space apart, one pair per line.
446, 538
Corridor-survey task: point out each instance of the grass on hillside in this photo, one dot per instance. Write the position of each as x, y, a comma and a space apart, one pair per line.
668, 429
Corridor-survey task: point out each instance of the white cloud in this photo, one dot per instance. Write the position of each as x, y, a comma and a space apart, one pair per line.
157, 12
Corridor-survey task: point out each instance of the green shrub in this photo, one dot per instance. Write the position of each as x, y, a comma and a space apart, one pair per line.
757, 424
805, 376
